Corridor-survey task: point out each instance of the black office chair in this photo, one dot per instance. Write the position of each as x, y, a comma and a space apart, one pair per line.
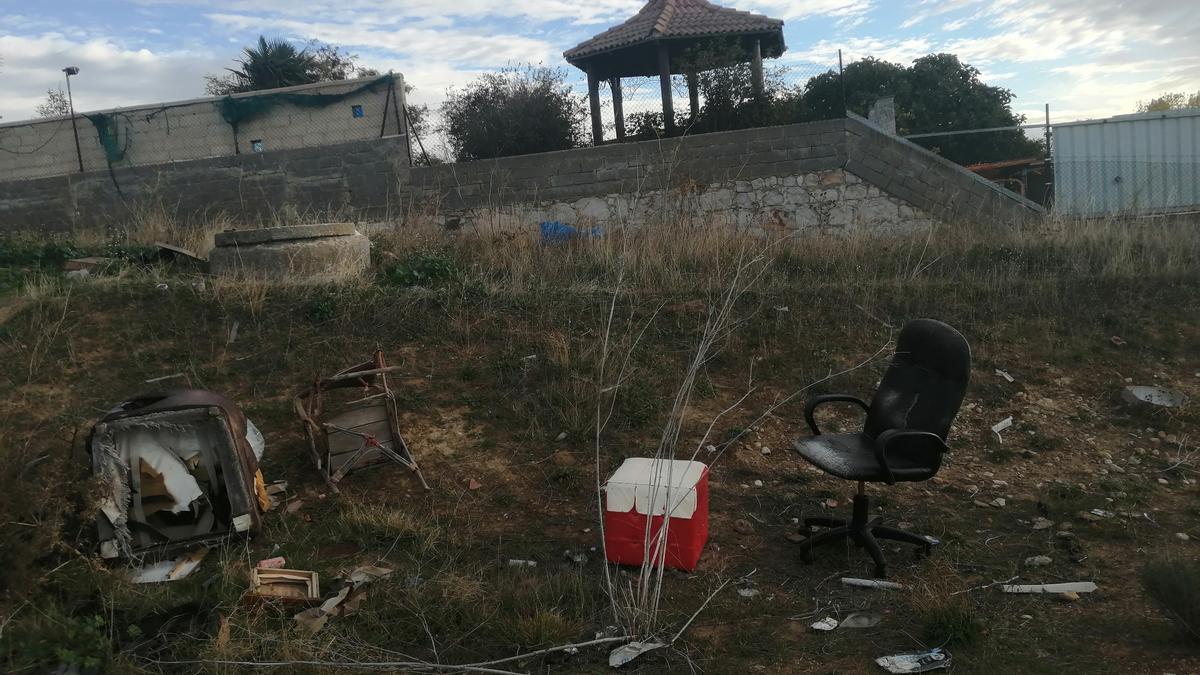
903, 438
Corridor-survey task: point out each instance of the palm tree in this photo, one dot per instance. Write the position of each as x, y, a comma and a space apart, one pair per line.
273, 64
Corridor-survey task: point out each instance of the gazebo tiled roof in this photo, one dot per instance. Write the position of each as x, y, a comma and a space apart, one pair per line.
666, 19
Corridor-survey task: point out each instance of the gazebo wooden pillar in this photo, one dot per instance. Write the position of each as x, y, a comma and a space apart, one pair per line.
652, 42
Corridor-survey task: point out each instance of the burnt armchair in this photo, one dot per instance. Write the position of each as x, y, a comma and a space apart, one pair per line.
903, 437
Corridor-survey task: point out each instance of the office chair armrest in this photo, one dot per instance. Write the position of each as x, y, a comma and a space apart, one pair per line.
889, 437
817, 401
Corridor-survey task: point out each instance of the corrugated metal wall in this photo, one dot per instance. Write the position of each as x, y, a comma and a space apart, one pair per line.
1133, 164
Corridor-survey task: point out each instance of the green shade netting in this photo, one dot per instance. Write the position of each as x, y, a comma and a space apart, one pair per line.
110, 135
235, 111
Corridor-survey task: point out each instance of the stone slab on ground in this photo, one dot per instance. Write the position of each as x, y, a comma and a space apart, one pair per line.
286, 233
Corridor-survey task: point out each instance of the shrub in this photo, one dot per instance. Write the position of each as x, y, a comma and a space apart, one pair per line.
1175, 586
519, 110
421, 269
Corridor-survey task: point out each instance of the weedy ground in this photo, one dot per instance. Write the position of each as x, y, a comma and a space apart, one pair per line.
499, 339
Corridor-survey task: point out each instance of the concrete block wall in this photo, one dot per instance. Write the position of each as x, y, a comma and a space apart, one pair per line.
927, 185
189, 130
352, 180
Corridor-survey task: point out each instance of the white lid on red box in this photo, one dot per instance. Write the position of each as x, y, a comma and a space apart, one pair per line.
649, 485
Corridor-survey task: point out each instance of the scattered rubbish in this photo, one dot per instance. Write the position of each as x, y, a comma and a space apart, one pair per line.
872, 583
1005, 375
919, 662
554, 232
87, 264
367, 573
576, 557
522, 563
642, 497
162, 286
294, 506
748, 592
1102, 513
233, 332
178, 470
1117, 340
831, 503
285, 584
827, 624
562, 436
473, 485
358, 433
164, 378
1183, 536
1069, 596
1002, 425
314, 619
758, 483
179, 256
1156, 396
1041, 523
862, 620
1073, 587
626, 653
271, 564
172, 569
1038, 561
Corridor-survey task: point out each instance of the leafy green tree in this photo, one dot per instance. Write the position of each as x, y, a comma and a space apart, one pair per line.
936, 93
1170, 101
518, 110
278, 63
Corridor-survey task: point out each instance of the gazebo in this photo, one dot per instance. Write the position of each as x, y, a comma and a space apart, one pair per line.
652, 42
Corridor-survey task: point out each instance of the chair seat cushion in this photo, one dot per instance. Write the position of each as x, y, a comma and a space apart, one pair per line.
852, 457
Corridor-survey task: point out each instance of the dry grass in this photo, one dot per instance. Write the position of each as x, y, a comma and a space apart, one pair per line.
488, 298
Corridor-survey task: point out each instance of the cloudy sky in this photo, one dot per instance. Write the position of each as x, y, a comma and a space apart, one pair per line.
1087, 58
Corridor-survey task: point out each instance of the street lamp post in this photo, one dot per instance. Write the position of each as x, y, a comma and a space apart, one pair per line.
73, 70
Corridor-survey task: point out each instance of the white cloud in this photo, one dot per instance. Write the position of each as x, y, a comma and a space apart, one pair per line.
803, 9
111, 75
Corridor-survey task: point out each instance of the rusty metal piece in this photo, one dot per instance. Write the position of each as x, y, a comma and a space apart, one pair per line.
345, 436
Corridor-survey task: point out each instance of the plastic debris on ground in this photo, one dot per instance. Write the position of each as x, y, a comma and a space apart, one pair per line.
873, 583
346, 601
626, 653
827, 624
1156, 396
1005, 375
554, 232
271, 564
862, 620
172, 569
1002, 425
920, 662
1073, 587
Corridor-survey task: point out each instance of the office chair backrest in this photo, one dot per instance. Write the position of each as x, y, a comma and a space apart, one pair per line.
925, 383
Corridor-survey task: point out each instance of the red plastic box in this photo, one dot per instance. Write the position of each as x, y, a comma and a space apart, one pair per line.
641, 491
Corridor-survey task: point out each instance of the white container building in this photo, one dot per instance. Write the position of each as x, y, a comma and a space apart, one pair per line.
1147, 163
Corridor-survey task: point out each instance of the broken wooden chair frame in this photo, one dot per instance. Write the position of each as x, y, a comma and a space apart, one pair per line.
329, 429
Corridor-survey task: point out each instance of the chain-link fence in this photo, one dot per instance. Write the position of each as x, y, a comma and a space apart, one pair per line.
299, 117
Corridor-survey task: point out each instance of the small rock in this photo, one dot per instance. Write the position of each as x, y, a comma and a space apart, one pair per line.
743, 526
758, 483
1064, 534
1027, 617
1038, 561
562, 436
831, 503
904, 526
766, 450
710, 448
1182, 536
981, 503
748, 592
1040, 523
1163, 481
1069, 596
473, 485
999, 502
